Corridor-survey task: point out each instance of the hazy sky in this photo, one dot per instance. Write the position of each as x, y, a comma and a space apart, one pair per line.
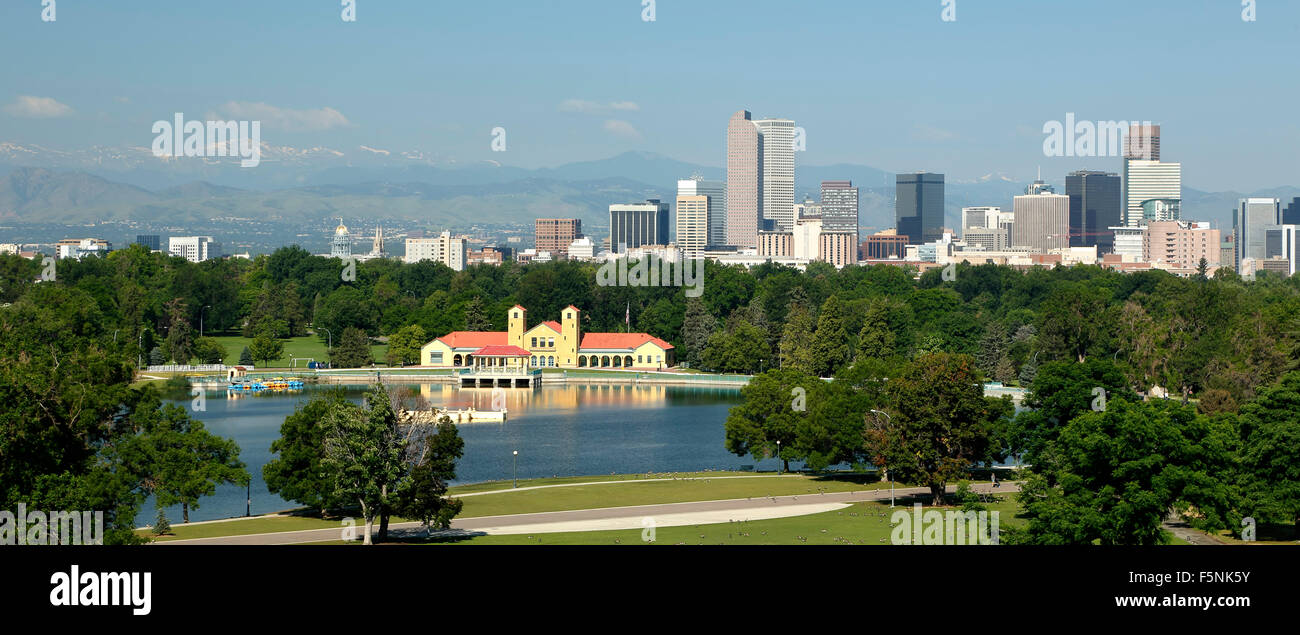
876, 82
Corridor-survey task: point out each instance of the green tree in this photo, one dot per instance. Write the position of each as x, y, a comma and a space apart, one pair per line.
180, 335
353, 350
740, 349
697, 326
830, 346
1062, 391
404, 346
245, 357
877, 338
939, 423
1110, 477
422, 496
297, 472
266, 348
769, 414
1271, 430
797, 340
475, 317
179, 460
209, 351
364, 455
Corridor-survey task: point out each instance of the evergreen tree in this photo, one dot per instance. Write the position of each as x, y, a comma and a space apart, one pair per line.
353, 350
797, 341
245, 357
830, 347
992, 348
156, 357
697, 326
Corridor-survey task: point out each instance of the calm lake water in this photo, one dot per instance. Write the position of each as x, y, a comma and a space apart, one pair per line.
558, 431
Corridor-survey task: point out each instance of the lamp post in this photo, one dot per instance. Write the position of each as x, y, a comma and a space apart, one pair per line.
205, 308
887, 475
249, 511
516, 468
778, 457
139, 350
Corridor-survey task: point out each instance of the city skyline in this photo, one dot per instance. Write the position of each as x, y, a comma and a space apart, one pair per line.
348, 88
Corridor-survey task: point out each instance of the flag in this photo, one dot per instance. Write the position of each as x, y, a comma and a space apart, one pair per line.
627, 317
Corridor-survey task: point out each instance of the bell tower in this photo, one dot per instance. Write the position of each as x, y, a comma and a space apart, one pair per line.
518, 323
570, 336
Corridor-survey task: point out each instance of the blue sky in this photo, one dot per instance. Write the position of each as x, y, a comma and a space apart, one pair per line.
875, 82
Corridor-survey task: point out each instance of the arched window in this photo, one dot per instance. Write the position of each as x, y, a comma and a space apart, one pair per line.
455, 361
604, 361
550, 361
628, 362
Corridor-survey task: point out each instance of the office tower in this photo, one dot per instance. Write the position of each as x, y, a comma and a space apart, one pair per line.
1142, 143
1161, 209
1040, 186
556, 234
78, 248
883, 245
979, 217
840, 208
449, 250
152, 242
1149, 180
776, 171
1283, 243
692, 224
1094, 206
638, 224
918, 207
744, 181
195, 248
1181, 243
1249, 224
582, 249
716, 220
1291, 215
1042, 222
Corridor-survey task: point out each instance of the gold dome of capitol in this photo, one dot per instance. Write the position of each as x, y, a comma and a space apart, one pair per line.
341, 230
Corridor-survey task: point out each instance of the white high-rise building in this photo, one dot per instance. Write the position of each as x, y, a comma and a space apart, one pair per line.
716, 217
692, 224
444, 248
194, 248
776, 160
1284, 243
1042, 222
1147, 181
582, 249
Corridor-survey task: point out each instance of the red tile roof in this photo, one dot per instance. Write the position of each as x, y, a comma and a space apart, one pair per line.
620, 341
554, 325
472, 339
501, 351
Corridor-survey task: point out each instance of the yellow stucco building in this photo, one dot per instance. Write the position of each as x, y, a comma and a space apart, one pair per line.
553, 345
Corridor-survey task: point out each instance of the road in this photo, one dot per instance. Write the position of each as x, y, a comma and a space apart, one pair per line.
664, 515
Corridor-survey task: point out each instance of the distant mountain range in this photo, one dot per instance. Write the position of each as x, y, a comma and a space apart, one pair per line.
38, 184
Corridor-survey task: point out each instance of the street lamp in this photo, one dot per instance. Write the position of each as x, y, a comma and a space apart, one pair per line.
205, 308
887, 475
516, 468
778, 457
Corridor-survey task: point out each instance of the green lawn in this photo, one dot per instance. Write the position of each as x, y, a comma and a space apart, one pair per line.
858, 524
309, 346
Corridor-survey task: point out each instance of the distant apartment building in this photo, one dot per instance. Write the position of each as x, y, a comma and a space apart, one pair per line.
636, 224
532, 255
152, 242
194, 248
556, 234
715, 221
1129, 243
495, 256
776, 244
1095, 207
1181, 243
1148, 181
918, 207
79, 248
1042, 222
987, 228
744, 181
840, 249
444, 248
840, 207
1249, 227
692, 224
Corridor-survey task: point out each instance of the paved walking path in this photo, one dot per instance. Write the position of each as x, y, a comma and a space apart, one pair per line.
630, 517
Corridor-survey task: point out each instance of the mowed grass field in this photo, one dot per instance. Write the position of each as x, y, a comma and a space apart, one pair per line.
309, 346
578, 493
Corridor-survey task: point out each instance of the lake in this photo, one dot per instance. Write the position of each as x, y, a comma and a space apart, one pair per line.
558, 431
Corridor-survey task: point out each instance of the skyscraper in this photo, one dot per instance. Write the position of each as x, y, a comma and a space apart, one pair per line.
1042, 221
840, 207
1142, 143
919, 206
744, 179
152, 242
1094, 206
1149, 180
716, 219
776, 161
1249, 227
1291, 215
638, 224
692, 223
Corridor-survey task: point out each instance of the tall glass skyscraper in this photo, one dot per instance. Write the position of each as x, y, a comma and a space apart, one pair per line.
1094, 207
918, 207
1250, 225
776, 151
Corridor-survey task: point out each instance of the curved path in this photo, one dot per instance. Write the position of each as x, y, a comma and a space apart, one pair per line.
605, 518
